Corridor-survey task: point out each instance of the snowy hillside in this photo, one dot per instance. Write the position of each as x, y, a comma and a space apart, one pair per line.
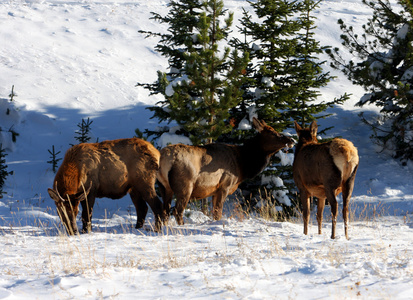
76, 59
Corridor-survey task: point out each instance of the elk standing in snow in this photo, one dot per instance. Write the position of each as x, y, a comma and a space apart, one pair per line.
324, 170
197, 172
108, 169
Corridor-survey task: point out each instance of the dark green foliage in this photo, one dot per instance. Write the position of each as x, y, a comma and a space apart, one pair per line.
204, 81
53, 159
284, 78
274, 74
214, 79
310, 76
287, 74
383, 65
3, 169
271, 43
182, 19
139, 134
83, 131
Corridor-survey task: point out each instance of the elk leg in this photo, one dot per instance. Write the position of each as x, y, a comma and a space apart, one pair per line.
156, 206
166, 194
305, 202
218, 204
346, 199
347, 190
204, 206
183, 191
140, 206
320, 209
182, 200
334, 209
87, 209
178, 211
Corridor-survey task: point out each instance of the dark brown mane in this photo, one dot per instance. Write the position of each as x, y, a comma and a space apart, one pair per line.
253, 159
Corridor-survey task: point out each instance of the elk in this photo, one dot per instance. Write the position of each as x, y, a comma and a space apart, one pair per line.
108, 169
324, 170
197, 172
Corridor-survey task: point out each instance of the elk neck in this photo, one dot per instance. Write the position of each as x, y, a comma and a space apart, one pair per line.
253, 158
301, 144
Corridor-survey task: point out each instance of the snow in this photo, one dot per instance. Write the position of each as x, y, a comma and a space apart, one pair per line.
76, 59
286, 158
402, 32
244, 125
267, 82
408, 74
169, 138
169, 91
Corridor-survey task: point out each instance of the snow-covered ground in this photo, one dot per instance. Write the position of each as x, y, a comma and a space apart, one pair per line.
75, 59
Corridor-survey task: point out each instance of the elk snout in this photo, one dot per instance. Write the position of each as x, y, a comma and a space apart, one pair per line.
290, 142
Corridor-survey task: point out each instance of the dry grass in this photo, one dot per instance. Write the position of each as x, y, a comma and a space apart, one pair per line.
78, 256
176, 248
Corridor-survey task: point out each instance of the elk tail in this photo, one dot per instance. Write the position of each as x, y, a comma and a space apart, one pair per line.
345, 157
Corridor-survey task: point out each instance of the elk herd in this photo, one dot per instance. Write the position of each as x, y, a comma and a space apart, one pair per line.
133, 166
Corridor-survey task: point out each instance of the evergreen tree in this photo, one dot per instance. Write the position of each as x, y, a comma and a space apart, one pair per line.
382, 63
208, 84
285, 76
271, 42
53, 159
287, 73
83, 131
182, 19
307, 72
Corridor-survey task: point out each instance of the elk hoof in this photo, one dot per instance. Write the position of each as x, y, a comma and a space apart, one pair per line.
158, 227
165, 217
87, 227
178, 216
139, 224
87, 230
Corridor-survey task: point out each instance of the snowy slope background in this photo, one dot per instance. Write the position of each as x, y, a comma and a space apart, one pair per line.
76, 59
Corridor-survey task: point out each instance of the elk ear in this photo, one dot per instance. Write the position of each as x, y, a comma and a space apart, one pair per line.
55, 196
298, 128
257, 124
313, 128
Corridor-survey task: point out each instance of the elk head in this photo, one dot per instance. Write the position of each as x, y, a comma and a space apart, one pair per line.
272, 141
307, 135
68, 208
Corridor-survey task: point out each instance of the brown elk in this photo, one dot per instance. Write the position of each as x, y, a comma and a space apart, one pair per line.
108, 169
324, 170
197, 172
